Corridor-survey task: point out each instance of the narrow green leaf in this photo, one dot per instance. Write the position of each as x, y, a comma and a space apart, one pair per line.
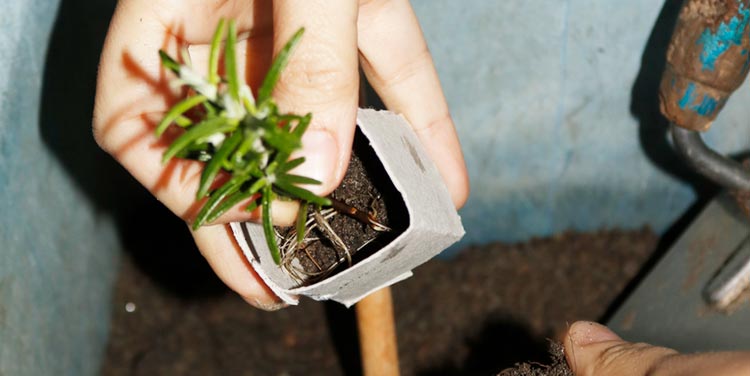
249, 103
297, 179
183, 122
185, 56
290, 165
216, 198
168, 62
213, 57
230, 62
301, 127
287, 121
246, 145
200, 130
214, 166
267, 196
253, 205
281, 60
235, 199
201, 152
177, 111
281, 141
301, 221
302, 193
211, 109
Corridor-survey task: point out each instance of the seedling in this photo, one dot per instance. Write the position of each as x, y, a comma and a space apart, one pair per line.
231, 130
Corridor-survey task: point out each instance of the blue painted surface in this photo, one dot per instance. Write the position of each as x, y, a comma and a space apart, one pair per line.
560, 123
58, 258
689, 96
727, 34
705, 107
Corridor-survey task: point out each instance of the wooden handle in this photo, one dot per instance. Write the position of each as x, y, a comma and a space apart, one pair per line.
708, 59
377, 334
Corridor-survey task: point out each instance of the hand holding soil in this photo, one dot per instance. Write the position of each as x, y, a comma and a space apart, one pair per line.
134, 93
592, 349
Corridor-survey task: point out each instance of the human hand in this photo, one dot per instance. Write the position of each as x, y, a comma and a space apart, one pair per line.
592, 349
133, 93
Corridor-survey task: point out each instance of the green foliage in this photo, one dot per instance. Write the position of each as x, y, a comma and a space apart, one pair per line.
249, 141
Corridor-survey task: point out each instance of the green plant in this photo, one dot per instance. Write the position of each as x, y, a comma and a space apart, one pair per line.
231, 130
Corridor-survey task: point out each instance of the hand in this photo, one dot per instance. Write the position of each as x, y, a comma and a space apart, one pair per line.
592, 349
384, 37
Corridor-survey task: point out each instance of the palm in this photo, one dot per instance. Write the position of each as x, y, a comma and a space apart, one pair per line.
137, 89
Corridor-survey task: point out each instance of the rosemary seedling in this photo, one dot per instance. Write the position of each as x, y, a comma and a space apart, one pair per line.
231, 130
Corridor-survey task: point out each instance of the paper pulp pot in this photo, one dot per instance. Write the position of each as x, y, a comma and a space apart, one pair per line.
433, 225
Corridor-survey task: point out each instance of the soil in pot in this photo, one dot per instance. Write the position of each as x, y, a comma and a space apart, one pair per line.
341, 236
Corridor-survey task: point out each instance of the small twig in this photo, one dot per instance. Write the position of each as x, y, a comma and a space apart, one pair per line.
335, 239
366, 218
312, 259
290, 246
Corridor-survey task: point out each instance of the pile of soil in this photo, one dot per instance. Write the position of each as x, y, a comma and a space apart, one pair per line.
558, 367
487, 309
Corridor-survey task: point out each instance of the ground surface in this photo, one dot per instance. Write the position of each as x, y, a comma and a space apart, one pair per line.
477, 314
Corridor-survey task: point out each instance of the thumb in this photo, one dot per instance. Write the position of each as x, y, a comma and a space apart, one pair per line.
321, 78
593, 349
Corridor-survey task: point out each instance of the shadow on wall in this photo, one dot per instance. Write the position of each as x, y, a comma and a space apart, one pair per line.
653, 127
653, 134
159, 242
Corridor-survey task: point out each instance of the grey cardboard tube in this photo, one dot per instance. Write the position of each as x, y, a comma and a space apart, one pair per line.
434, 223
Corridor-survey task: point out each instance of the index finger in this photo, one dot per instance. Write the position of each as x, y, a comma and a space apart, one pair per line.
398, 64
322, 79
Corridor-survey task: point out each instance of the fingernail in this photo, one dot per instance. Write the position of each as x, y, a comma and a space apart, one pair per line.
320, 152
266, 306
584, 333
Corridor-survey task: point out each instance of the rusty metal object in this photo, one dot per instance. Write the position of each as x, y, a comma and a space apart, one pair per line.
718, 168
708, 59
669, 306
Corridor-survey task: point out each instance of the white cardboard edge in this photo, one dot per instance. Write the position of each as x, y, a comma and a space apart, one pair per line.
245, 244
434, 223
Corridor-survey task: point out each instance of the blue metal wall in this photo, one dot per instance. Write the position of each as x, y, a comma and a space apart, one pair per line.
556, 107
58, 245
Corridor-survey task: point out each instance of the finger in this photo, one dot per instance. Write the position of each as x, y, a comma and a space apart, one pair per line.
321, 78
133, 93
218, 246
398, 64
592, 349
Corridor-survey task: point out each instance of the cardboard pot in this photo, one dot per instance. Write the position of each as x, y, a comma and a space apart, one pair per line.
434, 223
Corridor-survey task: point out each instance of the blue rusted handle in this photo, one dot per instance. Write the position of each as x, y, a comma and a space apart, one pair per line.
708, 59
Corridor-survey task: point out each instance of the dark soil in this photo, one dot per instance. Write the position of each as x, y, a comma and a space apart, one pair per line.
478, 314
367, 188
558, 367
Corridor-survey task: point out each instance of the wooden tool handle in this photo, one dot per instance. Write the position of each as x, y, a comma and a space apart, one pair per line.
708, 59
377, 334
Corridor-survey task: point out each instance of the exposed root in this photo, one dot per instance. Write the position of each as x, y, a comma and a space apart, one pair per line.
317, 219
318, 228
